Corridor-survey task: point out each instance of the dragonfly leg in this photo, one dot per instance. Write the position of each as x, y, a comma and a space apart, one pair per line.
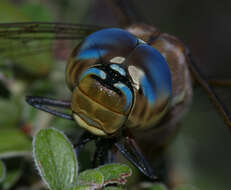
84, 139
220, 82
44, 104
130, 150
103, 154
204, 82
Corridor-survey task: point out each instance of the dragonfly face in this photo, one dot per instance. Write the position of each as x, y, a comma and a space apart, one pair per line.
110, 73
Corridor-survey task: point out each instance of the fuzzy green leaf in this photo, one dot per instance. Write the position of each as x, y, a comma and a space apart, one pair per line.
91, 178
2, 171
113, 188
115, 173
55, 159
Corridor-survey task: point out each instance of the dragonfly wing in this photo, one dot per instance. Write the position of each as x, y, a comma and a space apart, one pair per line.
45, 30
29, 45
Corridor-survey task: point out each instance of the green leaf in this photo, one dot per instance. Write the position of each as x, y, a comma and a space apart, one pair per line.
10, 13
157, 186
55, 159
91, 178
113, 188
13, 143
37, 11
11, 178
82, 187
10, 112
115, 173
2, 171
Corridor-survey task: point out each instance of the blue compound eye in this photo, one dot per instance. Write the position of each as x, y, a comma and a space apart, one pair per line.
127, 94
151, 80
94, 72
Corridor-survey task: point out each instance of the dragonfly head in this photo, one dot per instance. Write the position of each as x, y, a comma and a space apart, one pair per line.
101, 100
117, 80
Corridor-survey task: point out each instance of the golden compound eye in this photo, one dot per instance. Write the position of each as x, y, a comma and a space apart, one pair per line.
101, 97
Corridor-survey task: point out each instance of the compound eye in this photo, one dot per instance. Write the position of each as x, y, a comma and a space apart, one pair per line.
126, 93
91, 72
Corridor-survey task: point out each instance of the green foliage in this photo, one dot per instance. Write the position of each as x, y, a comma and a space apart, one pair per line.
2, 171
82, 187
115, 173
92, 178
186, 187
57, 164
13, 143
20, 51
9, 13
55, 159
113, 188
36, 12
10, 179
11, 114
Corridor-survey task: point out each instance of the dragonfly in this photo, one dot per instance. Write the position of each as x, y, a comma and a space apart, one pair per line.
21, 33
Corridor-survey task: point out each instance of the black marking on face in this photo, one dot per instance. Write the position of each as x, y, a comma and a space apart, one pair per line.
112, 77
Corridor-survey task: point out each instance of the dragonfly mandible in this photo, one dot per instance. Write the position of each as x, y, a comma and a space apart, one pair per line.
149, 35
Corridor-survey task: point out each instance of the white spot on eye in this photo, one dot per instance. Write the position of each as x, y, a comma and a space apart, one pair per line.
118, 60
136, 75
141, 41
102, 74
118, 69
127, 93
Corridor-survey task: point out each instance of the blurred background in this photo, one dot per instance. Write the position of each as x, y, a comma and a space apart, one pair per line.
200, 155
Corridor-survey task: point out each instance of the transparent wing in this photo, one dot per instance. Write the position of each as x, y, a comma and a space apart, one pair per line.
45, 30
29, 45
